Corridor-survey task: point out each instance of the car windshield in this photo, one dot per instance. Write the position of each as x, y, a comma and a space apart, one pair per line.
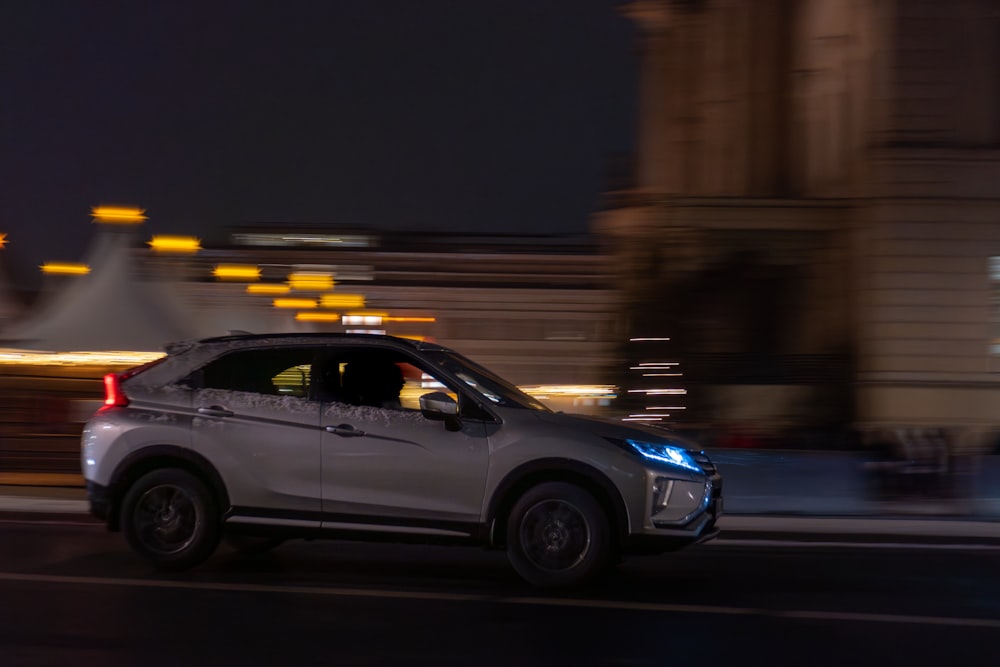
490, 386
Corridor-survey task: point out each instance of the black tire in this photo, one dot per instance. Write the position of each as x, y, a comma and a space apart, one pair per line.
170, 518
558, 535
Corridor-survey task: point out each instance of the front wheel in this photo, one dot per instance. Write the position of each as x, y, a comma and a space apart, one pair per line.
558, 535
169, 517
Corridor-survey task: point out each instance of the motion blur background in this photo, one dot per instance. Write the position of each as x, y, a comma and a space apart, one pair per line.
801, 253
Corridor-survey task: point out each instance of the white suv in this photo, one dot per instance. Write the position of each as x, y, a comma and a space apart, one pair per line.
259, 438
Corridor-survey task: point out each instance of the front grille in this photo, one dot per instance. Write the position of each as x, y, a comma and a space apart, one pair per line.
704, 462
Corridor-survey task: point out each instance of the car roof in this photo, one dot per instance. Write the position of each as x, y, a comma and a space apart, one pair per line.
248, 340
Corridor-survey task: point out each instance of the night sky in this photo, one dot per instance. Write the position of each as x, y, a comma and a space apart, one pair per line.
468, 115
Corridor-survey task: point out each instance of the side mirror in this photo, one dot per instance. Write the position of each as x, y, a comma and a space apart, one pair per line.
439, 406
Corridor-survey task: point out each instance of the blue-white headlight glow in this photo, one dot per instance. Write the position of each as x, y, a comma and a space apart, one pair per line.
669, 454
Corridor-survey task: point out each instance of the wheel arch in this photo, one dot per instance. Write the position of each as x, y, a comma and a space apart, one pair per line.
157, 457
530, 474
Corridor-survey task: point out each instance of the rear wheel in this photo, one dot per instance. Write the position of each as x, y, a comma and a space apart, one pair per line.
169, 517
558, 535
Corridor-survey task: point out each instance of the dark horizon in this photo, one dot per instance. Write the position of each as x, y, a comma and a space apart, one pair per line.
440, 117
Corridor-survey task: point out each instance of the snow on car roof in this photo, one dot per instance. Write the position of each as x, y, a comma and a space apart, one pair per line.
266, 339
312, 337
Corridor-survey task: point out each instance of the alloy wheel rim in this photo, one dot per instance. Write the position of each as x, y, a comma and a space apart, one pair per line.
555, 535
167, 519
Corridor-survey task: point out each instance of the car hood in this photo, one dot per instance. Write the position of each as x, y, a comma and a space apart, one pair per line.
611, 428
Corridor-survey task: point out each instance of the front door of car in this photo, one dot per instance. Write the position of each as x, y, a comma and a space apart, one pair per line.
390, 468
256, 423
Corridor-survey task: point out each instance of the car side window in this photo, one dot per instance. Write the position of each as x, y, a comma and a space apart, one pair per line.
293, 381
372, 377
418, 382
274, 372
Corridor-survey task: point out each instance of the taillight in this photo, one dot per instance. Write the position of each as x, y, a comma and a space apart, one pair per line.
113, 394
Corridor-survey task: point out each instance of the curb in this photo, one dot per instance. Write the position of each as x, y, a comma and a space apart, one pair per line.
30, 505
861, 529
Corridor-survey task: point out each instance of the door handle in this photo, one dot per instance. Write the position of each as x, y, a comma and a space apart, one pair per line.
215, 411
344, 431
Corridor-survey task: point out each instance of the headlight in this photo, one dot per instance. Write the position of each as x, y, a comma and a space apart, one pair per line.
661, 453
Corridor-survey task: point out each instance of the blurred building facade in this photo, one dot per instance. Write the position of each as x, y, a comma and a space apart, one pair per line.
535, 309
814, 220
541, 311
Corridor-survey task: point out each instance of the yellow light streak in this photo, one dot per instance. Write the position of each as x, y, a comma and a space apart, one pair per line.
311, 281
409, 319
294, 303
65, 268
180, 244
342, 300
317, 317
574, 390
237, 272
102, 358
118, 215
3, 240
268, 288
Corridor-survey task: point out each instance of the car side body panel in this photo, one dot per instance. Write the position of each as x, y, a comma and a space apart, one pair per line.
267, 450
391, 464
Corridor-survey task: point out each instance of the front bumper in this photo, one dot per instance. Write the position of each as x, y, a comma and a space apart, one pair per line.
689, 518
653, 541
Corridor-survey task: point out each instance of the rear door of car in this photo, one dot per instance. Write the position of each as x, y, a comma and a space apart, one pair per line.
254, 419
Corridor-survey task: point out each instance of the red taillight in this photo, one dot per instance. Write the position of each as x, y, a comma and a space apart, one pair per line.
113, 394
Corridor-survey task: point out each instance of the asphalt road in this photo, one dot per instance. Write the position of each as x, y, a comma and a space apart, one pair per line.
72, 594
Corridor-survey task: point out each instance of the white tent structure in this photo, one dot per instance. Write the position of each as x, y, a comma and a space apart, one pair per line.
11, 306
111, 308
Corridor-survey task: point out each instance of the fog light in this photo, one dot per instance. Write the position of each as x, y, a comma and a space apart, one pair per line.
661, 494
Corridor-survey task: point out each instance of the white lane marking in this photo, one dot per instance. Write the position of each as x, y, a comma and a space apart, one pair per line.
802, 544
620, 605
